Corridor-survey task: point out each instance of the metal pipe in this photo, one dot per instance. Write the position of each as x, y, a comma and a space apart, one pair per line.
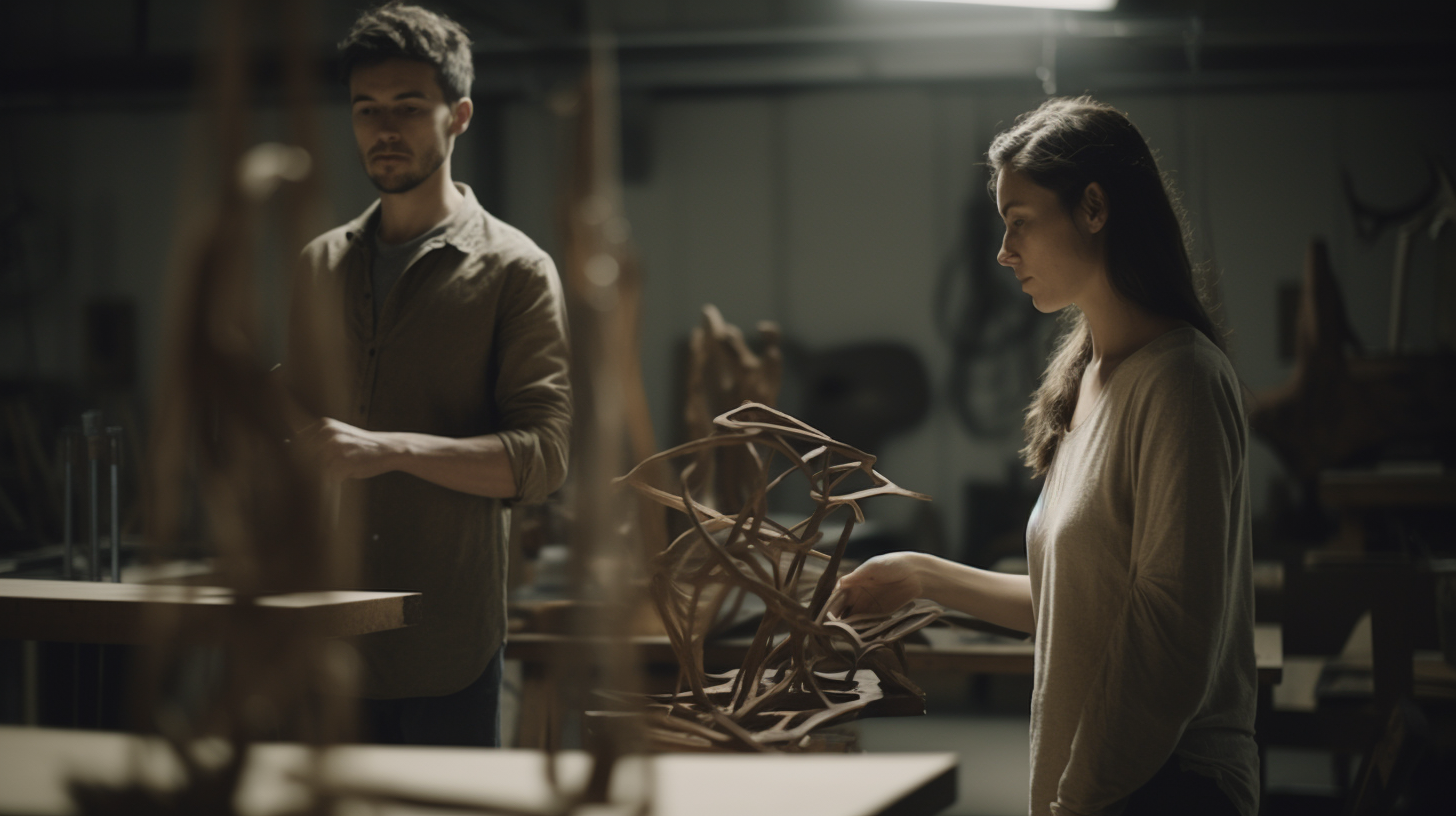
91, 426
66, 525
115, 434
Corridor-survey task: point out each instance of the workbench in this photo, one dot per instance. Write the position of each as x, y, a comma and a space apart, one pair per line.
90, 612
35, 764
102, 619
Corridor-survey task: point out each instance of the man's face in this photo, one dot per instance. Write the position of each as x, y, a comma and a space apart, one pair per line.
404, 126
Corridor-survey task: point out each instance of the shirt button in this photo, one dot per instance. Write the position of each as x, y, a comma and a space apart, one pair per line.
371, 352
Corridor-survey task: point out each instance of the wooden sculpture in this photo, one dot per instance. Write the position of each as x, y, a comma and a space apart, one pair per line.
1337, 407
724, 372
805, 667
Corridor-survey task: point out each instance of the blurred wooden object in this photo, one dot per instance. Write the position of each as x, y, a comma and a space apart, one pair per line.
1388, 765
1373, 489
393, 781
1371, 501
86, 612
1400, 599
1334, 405
722, 374
611, 534
220, 466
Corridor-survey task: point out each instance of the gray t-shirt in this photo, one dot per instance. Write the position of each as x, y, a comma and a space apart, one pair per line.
1141, 582
391, 260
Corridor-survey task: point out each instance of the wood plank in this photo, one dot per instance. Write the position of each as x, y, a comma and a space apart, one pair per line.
35, 764
87, 612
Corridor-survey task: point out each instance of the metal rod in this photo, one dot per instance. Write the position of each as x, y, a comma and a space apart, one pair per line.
115, 434
66, 524
95, 566
1397, 285
100, 683
91, 425
30, 683
76, 685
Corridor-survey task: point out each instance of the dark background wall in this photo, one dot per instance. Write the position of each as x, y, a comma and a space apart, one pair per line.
813, 162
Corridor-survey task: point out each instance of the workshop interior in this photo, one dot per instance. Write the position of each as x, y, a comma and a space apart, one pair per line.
739, 312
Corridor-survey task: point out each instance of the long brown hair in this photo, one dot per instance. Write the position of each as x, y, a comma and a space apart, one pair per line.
1065, 145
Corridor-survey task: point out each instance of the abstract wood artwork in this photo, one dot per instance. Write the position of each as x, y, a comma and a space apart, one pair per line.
806, 667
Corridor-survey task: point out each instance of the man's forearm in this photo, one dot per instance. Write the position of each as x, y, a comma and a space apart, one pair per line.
477, 465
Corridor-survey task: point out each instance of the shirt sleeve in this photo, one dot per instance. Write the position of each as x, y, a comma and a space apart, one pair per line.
533, 388
1186, 447
314, 348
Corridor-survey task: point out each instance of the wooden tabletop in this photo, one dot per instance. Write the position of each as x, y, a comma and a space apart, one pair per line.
92, 612
35, 764
949, 650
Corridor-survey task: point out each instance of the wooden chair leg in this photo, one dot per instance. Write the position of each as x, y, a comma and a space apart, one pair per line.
1386, 770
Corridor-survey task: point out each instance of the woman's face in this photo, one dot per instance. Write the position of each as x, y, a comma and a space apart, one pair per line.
1055, 255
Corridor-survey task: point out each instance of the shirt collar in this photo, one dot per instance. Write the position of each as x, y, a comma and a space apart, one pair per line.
464, 228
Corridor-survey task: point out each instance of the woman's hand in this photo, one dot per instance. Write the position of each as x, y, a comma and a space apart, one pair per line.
880, 585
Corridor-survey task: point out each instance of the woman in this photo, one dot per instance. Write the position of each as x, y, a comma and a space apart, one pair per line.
1139, 592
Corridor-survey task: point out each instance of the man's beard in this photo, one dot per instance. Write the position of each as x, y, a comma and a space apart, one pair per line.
407, 182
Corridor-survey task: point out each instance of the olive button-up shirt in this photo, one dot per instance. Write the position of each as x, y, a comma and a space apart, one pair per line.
471, 341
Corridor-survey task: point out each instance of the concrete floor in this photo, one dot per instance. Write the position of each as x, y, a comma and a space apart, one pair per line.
994, 754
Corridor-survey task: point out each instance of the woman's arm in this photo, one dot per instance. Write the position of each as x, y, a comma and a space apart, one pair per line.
886, 582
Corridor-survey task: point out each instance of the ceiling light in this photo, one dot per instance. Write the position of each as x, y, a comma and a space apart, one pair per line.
1066, 5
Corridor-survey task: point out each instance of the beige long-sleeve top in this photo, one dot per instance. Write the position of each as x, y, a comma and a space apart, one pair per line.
471, 341
1139, 553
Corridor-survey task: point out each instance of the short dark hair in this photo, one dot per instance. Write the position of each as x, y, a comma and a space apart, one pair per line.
397, 30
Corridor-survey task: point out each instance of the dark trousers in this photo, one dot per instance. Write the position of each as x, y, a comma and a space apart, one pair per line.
1173, 790
469, 717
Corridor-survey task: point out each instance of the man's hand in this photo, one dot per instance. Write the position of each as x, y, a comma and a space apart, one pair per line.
347, 452
880, 585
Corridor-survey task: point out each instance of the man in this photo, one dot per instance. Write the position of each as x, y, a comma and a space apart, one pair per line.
455, 365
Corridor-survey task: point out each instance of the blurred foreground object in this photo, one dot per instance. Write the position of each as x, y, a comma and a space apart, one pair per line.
221, 466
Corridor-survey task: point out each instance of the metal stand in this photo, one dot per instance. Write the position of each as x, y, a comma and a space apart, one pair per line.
91, 427
114, 434
102, 444
69, 534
